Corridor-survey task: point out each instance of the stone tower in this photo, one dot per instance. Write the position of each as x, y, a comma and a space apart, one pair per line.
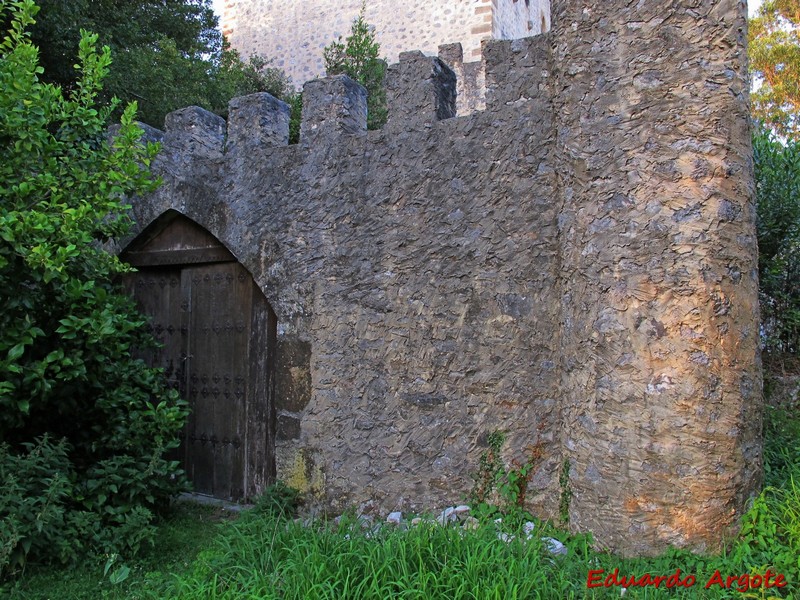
295, 33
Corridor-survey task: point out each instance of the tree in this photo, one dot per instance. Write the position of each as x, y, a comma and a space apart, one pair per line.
359, 58
234, 77
167, 54
777, 173
775, 62
774, 51
85, 423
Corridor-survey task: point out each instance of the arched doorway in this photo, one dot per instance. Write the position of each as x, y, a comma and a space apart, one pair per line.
218, 337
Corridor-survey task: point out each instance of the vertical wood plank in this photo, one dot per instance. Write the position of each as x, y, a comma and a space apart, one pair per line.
219, 361
261, 414
158, 295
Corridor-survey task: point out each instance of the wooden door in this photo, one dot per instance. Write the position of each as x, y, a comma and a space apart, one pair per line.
159, 295
217, 333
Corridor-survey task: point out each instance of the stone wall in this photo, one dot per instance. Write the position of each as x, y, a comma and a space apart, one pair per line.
295, 33
574, 265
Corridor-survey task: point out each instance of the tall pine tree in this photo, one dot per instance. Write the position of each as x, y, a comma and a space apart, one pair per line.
358, 57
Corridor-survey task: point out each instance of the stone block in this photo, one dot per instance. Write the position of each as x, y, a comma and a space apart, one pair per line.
257, 121
332, 107
420, 90
194, 132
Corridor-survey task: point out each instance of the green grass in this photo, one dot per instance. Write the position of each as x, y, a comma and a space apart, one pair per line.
199, 554
185, 531
266, 558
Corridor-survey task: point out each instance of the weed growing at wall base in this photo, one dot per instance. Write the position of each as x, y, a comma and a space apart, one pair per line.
565, 496
500, 490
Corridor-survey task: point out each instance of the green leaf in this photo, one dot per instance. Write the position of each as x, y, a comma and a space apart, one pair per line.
16, 352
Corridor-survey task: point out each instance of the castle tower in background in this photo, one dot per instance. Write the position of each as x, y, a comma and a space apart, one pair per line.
294, 34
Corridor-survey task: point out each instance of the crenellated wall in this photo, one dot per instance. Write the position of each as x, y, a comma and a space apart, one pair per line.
575, 265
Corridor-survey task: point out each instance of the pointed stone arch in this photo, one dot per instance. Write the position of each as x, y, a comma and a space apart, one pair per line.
218, 333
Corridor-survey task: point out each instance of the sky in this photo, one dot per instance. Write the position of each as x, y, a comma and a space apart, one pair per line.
217, 5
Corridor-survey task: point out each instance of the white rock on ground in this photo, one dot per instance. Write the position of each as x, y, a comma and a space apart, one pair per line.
448, 515
395, 518
554, 546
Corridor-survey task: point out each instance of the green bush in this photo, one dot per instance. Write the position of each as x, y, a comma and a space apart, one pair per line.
35, 486
68, 336
777, 173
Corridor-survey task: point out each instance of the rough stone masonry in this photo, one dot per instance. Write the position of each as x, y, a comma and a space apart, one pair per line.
575, 266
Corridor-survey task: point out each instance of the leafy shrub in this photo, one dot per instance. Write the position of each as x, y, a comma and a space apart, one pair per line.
35, 486
781, 447
777, 173
255, 75
68, 337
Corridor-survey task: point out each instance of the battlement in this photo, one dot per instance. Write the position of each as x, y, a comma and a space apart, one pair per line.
574, 264
421, 91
